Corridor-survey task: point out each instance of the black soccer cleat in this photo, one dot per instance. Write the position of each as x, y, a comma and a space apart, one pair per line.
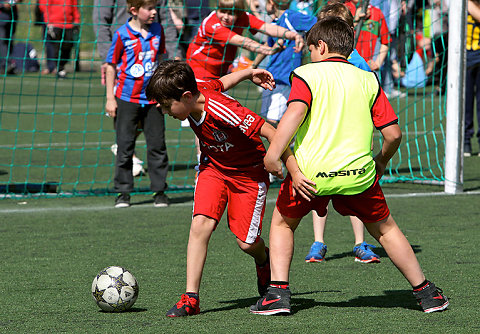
431, 298
275, 301
186, 306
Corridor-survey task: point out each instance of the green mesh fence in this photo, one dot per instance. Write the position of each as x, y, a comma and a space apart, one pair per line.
56, 141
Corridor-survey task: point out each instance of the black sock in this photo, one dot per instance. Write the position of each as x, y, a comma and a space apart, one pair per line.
192, 295
279, 284
421, 286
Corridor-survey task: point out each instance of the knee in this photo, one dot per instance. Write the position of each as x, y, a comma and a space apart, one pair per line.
202, 224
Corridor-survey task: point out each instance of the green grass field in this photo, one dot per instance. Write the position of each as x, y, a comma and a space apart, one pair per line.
53, 245
53, 248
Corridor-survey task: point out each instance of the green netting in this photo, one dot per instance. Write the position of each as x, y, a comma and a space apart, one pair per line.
55, 138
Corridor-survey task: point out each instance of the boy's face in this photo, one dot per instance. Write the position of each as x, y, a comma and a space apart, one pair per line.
145, 14
175, 109
226, 17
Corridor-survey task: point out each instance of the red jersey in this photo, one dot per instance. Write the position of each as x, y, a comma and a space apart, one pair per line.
209, 54
60, 13
228, 133
373, 28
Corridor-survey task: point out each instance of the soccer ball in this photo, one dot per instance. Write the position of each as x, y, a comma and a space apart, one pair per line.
115, 289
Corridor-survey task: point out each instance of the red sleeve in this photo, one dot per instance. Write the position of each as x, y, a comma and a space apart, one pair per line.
254, 23
300, 91
215, 85
251, 123
383, 114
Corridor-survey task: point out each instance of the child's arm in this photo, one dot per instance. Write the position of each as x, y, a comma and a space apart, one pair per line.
277, 31
111, 105
286, 129
392, 136
251, 45
382, 54
260, 57
473, 10
259, 77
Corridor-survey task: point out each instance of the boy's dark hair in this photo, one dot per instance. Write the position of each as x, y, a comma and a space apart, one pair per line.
170, 80
335, 32
282, 4
140, 3
336, 9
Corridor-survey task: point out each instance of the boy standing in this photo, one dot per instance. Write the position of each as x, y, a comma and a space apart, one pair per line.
214, 47
333, 107
136, 48
231, 166
62, 20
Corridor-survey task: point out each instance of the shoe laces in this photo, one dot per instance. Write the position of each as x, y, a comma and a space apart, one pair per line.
185, 300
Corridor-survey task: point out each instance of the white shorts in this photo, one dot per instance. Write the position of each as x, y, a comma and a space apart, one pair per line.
274, 103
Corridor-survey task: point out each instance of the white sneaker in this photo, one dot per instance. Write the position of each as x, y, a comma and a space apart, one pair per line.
395, 94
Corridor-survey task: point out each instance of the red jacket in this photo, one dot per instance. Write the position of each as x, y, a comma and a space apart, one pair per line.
60, 13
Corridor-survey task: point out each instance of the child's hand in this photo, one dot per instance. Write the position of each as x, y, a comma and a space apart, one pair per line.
302, 186
273, 166
379, 165
373, 65
299, 43
111, 108
263, 78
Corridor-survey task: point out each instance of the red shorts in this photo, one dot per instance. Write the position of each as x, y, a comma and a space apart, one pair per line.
246, 198
369, 206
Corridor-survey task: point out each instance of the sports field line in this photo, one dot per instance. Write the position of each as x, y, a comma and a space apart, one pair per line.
94, 144
184, 204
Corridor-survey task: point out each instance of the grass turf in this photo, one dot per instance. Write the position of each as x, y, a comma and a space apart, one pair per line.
53, 248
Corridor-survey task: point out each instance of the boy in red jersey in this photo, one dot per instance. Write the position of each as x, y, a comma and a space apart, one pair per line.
220, 34
333, 120
231, 166
374, 29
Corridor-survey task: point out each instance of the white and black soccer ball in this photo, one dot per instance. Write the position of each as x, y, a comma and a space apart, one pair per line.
115, 289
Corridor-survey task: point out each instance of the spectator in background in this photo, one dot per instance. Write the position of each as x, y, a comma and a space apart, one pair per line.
62, 19
48, 47
108, 16
8, 23
136, 48
435, 27
374, 29
391, 10
214, 48
472, 85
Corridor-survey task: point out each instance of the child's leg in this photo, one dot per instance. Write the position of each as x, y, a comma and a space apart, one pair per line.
358, 229
255, 250
200, 231
281, 245
318, 249
398, 249
319, 226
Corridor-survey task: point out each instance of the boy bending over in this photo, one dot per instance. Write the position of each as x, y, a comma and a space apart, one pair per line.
231, 166
333, 107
